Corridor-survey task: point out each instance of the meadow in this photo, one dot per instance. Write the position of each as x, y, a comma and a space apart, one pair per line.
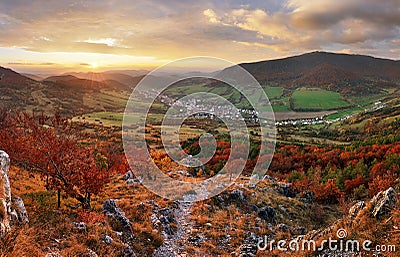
305, 99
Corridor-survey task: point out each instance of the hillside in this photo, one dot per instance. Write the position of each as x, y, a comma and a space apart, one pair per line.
127, 80
15, 88
346, 81
65, 93
330, 71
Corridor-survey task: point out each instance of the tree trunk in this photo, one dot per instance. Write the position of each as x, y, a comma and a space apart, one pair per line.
88, 200
58, 198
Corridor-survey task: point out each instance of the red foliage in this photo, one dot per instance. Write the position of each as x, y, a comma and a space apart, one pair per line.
354, 183
91, 217
54, 151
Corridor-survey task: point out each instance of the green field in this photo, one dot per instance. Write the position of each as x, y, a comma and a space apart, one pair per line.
115, 118
344, 113
317, 99
273, 92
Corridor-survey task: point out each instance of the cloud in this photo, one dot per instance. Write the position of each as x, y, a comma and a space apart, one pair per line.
33, 63
167, 30
307, 25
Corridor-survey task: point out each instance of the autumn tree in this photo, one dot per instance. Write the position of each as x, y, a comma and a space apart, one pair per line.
51, 147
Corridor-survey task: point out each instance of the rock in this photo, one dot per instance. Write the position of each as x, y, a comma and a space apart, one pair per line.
120, 222
164, 251
253, 207
267, 213
107, 239
128, 175
220, 200
308, 197
131, 181
249, 246
285, 189
383, 202
20, 209
355, 209
167, 214
269, 178
248, 250
283, 227
12, 208
166, 217
196, 240
237, 196
81, 226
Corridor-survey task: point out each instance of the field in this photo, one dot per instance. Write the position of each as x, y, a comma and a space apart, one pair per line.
316, 99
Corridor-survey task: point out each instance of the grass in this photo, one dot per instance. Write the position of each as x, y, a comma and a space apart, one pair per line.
273, 92
344, 113
317, 99
281, 105
365, 100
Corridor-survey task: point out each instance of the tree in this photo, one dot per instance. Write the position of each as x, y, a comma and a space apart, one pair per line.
50, 146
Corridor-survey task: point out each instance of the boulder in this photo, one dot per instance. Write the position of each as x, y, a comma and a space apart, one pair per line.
128, 175
12, 208
237, 196
267, 213
81, 226
383, 202
355, 209
119, 221
249, 246
107, 240
283, 227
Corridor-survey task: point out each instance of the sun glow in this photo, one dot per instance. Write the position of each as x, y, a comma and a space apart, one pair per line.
94, 65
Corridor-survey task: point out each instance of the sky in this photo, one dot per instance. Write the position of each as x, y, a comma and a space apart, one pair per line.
55, 36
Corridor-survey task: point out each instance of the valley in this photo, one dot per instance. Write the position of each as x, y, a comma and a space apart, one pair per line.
335, 164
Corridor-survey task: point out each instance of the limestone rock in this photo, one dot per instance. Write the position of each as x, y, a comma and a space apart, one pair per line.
12, 208
267, 213
107, 240
383, 202
128, 175
237, 195
355, 209
120, 222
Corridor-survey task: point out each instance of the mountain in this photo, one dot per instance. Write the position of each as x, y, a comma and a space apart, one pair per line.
122, 78
14, 89
132, 73
33, 76
337, 72
67, 94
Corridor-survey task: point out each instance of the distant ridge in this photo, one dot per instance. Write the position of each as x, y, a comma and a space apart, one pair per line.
344, 73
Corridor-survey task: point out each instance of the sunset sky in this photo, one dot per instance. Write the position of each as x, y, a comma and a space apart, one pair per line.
55, 36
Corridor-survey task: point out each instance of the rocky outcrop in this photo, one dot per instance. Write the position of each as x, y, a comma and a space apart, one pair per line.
12, 208
249, 246
383, 202
268, 214
118, 221
355, 209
